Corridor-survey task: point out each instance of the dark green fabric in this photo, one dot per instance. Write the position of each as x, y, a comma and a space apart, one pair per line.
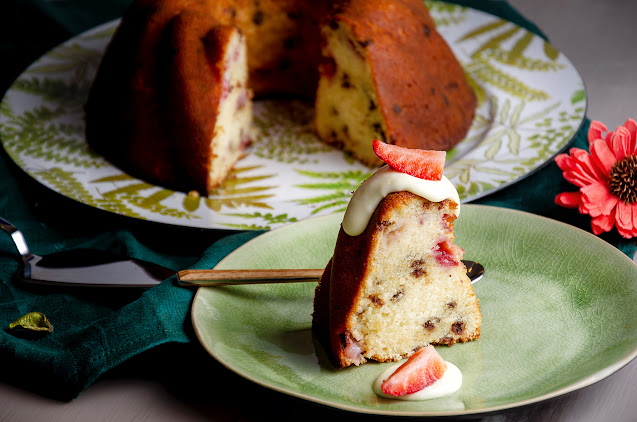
95, 331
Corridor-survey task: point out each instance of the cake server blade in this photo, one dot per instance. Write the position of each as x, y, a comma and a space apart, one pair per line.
84, 267
88, 267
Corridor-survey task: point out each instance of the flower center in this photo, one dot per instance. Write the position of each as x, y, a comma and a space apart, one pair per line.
623, 179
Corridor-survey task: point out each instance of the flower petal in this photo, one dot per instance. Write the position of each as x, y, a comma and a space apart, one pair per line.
597, 199
595, 131
623, 216
564, 162
631, 126
602, 155
625, 220
585, 169
603, 223
620, 143
569, 199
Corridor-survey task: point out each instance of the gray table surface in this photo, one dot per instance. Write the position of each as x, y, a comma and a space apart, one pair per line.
181, 383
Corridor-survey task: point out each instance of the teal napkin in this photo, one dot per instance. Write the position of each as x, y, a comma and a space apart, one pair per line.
96, 331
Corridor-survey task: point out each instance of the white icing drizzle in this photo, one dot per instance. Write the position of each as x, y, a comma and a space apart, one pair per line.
450, 382
385, 181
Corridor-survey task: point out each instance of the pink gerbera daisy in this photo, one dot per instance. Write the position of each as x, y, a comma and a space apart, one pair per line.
607, 178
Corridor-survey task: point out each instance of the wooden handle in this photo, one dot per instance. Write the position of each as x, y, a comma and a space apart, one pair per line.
209, 278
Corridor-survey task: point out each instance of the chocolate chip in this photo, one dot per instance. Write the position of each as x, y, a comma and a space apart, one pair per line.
379, 129
418, 268
382, 224
333, 24
397, 296
372, 105
451, 305
364, 43
418, 272
376, 300
345, 83
458, 327
257, 18
429, 326
417, 263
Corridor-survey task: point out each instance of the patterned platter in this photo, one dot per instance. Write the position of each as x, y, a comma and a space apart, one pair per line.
531, 103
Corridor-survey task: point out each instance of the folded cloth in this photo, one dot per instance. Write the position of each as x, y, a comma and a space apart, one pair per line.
95, 331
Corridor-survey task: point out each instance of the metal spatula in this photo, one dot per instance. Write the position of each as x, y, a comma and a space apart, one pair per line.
84, 267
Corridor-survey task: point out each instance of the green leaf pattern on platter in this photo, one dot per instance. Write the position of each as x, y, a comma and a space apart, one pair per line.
288, 174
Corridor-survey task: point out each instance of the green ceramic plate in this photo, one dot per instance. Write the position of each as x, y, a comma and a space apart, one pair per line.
559, 313
531, 103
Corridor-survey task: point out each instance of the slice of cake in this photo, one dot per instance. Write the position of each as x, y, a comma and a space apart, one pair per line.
172, 106
396, 282
214, 123
388, 74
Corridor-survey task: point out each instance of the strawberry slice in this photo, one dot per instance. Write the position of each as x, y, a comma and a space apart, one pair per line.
421, 163
422, 369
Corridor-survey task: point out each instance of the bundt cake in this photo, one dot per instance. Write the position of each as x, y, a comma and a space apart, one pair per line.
396, 282
171, 101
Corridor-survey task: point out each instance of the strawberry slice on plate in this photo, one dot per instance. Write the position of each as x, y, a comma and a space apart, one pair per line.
422, 369
421, 163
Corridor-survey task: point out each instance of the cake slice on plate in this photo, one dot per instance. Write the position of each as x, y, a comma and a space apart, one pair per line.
396, 282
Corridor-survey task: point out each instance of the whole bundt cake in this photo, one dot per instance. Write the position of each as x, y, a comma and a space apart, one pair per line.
171, 101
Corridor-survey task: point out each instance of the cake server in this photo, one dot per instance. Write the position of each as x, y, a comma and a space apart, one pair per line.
84, 267
90, 267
